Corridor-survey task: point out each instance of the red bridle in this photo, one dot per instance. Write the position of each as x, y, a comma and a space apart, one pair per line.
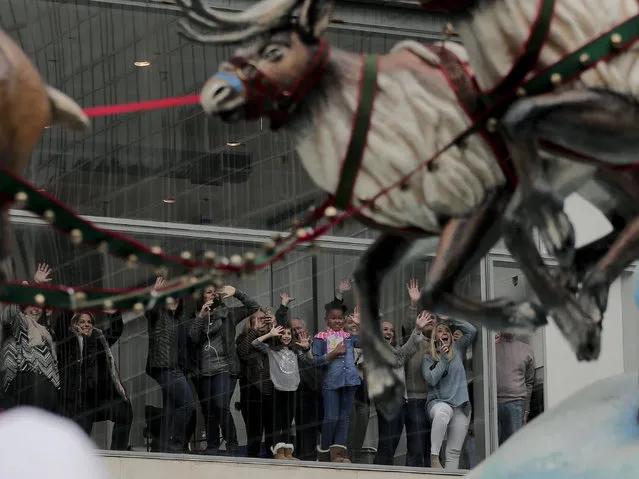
259, 87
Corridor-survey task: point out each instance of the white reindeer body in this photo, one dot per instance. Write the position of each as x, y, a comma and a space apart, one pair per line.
496, 31
414, 116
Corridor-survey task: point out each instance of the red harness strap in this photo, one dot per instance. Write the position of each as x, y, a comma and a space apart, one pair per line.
465, 87
259, 86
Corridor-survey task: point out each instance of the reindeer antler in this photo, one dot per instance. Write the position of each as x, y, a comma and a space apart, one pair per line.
260, 18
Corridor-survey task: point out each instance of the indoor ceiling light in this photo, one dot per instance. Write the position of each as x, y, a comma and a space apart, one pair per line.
142, 63
233, 143
169, 201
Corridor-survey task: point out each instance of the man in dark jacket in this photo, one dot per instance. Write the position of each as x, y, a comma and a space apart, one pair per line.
168, 337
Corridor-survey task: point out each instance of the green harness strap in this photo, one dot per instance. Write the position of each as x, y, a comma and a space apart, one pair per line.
528, 59
610, 44
359, 135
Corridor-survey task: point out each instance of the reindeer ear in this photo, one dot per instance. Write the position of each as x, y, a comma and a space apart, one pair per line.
314, 17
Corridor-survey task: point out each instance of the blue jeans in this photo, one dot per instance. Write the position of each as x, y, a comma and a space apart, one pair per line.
337, 410
417, 434
510, 416
215, 398
178, 405
389, 432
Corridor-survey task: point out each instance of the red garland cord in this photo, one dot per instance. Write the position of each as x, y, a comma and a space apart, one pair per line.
142, 106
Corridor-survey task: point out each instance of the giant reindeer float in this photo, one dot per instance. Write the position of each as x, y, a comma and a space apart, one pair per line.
414, 117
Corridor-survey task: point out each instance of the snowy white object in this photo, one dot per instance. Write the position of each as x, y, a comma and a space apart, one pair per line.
593, 434
35, 444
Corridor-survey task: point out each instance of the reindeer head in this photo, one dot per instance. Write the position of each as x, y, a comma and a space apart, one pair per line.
282, 59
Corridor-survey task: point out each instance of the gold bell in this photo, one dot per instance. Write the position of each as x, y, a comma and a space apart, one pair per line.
555, 79
156, 250
40, 299
270, 246
210, 256
138, 308
616, 40
170, 301
185, 255
521, 92
49, 216
584, 59
300, 233
249, 257
80, 297
76, 236
236, 260
108, 304
330, 212
103, 247
20, 199
491, 125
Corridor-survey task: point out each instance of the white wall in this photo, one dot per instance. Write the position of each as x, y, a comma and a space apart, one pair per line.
171, 468
564, 374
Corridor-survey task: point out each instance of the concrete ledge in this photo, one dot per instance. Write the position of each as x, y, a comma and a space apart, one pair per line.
133, 465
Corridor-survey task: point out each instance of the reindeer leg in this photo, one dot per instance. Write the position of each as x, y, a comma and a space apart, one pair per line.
597, 123
463, 243
593, 295
592, 122
384, 384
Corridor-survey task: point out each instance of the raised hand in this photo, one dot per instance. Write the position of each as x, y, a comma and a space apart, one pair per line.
286, 299
159, 283
413, 291
338, 351
304, 343
276, 331
227, 291
345, 284
457, 335
425, 320
43, 273
355, 315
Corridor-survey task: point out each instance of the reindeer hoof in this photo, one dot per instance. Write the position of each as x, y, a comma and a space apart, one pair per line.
546, 212
386, 388
526, 317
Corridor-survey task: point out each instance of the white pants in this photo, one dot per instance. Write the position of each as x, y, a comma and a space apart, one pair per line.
445, 418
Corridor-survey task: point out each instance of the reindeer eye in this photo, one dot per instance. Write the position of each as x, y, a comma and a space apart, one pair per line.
272, 53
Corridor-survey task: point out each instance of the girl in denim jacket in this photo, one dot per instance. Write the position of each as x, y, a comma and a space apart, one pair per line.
333, 351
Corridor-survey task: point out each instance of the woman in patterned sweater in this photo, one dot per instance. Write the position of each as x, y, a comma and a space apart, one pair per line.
29, 368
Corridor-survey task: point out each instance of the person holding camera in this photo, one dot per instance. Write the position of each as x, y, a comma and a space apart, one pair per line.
213, 336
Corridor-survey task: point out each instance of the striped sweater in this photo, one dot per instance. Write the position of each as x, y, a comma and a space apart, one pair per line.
19, 356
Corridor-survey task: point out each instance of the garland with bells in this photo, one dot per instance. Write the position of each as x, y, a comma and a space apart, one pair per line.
195, 274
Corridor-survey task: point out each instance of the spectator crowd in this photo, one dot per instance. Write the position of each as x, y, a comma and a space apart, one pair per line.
303, 395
